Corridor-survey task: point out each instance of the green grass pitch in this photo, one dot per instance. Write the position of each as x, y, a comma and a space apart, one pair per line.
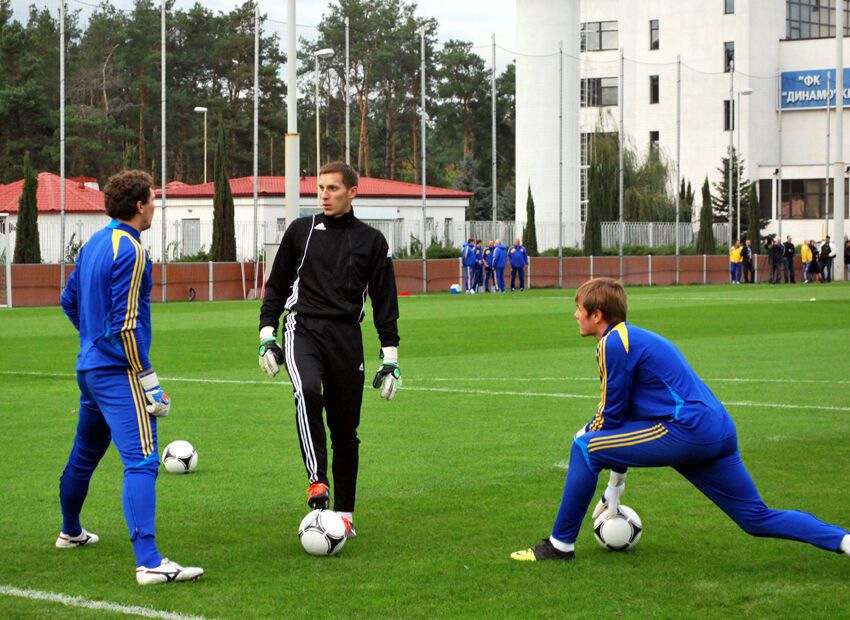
465, 466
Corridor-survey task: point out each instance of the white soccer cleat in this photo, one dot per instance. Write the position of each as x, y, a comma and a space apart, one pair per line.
72, 542
349, 528
167, 572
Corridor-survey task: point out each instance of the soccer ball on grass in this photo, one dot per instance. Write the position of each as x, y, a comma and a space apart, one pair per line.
620, 532
322, 532
180, 457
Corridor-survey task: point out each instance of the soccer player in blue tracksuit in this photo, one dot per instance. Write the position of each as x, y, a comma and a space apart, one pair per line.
479, 267
655, 411
519, 259
468, 264
107, 298
500, 259
488, 265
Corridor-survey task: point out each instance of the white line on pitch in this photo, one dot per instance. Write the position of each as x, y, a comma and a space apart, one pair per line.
79, 601
596, 379
410, 388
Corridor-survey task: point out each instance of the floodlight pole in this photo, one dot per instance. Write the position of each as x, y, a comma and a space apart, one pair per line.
745, 92
256, 127
293, 174
162, 156
731, 148
424, 152
621, 138
347, 111
839, 203
203, 109
678, 155
779, 169
493, 126
560, 164
61, 146
826, 180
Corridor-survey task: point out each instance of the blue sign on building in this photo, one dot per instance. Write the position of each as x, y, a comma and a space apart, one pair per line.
807, 90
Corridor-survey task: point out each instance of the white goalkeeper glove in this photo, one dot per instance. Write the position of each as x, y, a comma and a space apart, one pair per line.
611, 496
388, 377
271, 355
158, 401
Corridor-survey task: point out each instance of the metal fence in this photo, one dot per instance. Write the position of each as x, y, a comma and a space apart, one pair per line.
188, 237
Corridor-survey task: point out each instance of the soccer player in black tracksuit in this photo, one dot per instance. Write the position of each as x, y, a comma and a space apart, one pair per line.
323, 270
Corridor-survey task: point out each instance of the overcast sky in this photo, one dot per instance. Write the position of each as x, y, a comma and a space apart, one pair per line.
467, 20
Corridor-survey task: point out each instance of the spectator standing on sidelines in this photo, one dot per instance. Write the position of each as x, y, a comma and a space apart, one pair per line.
489, 275
500, 259
519, 259
735, 259
326, 265
788, 261
467, 261
656, 412
747, 262
108, 300
827, 255
776, 254
806, 258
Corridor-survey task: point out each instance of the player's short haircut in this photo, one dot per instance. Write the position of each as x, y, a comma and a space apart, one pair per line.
605, 294
350, 178
123, 190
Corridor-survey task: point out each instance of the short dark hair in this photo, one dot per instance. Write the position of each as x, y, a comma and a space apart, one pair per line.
605, 294
123, 190
350, 178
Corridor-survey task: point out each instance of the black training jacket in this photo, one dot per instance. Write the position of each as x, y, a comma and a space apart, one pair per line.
324, 268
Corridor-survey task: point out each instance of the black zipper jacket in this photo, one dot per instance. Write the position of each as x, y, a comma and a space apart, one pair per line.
324, 268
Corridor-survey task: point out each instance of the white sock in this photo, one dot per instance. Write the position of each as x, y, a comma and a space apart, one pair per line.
561, 546
347, 515
845, 544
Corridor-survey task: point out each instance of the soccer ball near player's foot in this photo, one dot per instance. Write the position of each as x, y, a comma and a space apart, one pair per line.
620, 532
322, 532
180, 457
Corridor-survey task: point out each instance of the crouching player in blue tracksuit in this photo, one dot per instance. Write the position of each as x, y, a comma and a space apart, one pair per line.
655, 411
107, 298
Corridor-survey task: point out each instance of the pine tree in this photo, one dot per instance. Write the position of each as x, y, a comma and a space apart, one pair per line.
721, 199
529, 234
754, 221
686, 201
27, 248
705, 240
224, 235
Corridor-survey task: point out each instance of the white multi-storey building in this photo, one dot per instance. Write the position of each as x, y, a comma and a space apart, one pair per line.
713, 69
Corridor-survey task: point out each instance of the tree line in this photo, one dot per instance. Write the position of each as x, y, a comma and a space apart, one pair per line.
113, 90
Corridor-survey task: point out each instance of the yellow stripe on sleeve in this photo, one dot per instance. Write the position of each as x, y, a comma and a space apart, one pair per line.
128, 338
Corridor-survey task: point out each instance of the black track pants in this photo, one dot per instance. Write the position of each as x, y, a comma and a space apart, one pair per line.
325, 363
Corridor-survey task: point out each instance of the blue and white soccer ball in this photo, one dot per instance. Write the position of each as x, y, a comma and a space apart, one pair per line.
454, 289
180, 457
322, 532
620, 532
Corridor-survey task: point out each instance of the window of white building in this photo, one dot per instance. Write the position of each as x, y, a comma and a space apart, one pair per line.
597, 36
653, 89
598, 92
728, 55
813, 19
654, 34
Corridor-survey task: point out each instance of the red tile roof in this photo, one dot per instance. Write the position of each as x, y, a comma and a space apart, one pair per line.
368, 187
78, 197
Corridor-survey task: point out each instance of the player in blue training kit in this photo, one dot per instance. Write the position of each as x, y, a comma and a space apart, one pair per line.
107, 298
500, 259
468, 263
655, 411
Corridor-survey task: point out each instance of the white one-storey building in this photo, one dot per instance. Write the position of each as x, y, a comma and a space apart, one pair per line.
393, 207
710, 72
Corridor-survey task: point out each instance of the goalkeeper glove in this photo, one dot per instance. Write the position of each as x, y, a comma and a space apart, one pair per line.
158, 401
611, 496
271, 355
388, 377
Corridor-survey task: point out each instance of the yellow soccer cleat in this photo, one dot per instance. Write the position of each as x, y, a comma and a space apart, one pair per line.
544, 550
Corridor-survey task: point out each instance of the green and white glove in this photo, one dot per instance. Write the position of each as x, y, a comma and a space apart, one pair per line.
271, 355
388, 377
611, 496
